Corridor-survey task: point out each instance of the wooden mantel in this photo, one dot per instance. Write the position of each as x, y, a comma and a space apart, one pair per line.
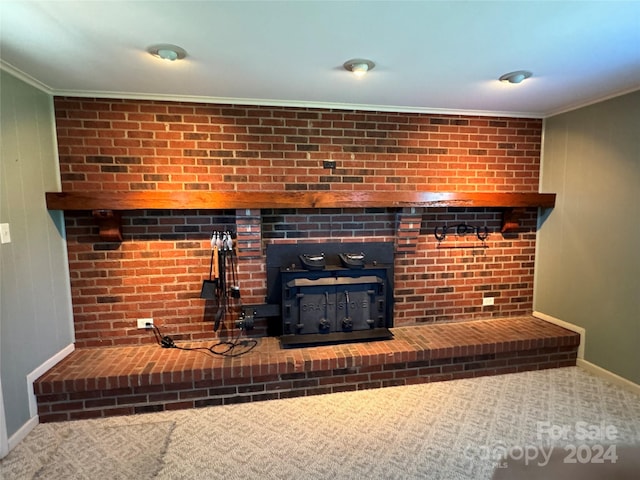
106, 206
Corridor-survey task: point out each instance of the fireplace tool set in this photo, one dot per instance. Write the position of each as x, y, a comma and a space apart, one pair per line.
222, 284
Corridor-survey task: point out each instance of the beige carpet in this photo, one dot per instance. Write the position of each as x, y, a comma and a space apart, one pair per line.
85, 450
447, 430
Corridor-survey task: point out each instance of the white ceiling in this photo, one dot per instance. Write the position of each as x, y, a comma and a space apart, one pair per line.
431, 56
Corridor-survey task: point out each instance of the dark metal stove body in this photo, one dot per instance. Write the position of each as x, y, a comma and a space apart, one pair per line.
348, 298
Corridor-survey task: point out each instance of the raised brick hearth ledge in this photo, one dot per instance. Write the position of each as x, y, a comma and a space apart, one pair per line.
100, 382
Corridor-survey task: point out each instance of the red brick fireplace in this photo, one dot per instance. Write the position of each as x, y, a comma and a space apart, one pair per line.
157, 270
141, 259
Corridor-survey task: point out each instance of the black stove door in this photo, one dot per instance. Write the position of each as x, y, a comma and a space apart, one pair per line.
330, 304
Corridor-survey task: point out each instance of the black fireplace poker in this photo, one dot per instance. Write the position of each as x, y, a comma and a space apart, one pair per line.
222, 284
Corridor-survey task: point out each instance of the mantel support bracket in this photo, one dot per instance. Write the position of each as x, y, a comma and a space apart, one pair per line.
110, 224
511, 218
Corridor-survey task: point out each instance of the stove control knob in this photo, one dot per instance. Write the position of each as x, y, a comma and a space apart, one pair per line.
324, 326
347, 325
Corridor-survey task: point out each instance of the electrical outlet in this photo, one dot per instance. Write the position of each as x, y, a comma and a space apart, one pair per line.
487, 301
142, 322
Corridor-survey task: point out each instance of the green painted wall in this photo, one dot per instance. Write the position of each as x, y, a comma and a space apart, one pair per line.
35, 299
588, 259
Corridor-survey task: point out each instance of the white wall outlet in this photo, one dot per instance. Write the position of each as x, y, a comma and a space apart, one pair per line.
487, 301
5, 233
142, 322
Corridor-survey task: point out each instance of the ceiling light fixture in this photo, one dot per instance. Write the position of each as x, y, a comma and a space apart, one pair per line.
515, 77
359, 66
167, 52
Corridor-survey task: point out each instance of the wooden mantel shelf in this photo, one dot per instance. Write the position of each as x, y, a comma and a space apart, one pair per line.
221, 200
106, 206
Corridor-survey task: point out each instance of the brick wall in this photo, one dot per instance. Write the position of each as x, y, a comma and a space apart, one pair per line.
157, 271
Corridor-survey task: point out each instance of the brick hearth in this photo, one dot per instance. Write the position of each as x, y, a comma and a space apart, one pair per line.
100, 382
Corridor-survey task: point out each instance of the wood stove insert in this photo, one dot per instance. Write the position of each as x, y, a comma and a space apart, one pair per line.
343, 293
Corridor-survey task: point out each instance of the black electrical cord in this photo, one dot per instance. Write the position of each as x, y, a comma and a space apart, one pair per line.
167, 342
249, 345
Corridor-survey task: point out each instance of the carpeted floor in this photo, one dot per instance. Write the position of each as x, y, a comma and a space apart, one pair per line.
90, 450
463, 429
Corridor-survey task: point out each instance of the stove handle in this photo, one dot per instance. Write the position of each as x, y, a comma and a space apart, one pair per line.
347, 322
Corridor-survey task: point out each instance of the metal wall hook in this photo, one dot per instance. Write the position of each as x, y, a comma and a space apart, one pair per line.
461, 229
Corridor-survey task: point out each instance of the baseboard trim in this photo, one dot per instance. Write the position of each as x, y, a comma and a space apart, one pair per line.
4, 442
607, 375
584, 364
33, 421
22, 432
569, 326
41, 370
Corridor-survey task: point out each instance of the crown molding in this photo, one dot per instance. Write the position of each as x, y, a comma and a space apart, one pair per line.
299, 103
20, 75
289, 103
591, 101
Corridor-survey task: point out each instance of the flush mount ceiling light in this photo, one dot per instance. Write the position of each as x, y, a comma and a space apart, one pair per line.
515, 77
359, 66
167, 52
